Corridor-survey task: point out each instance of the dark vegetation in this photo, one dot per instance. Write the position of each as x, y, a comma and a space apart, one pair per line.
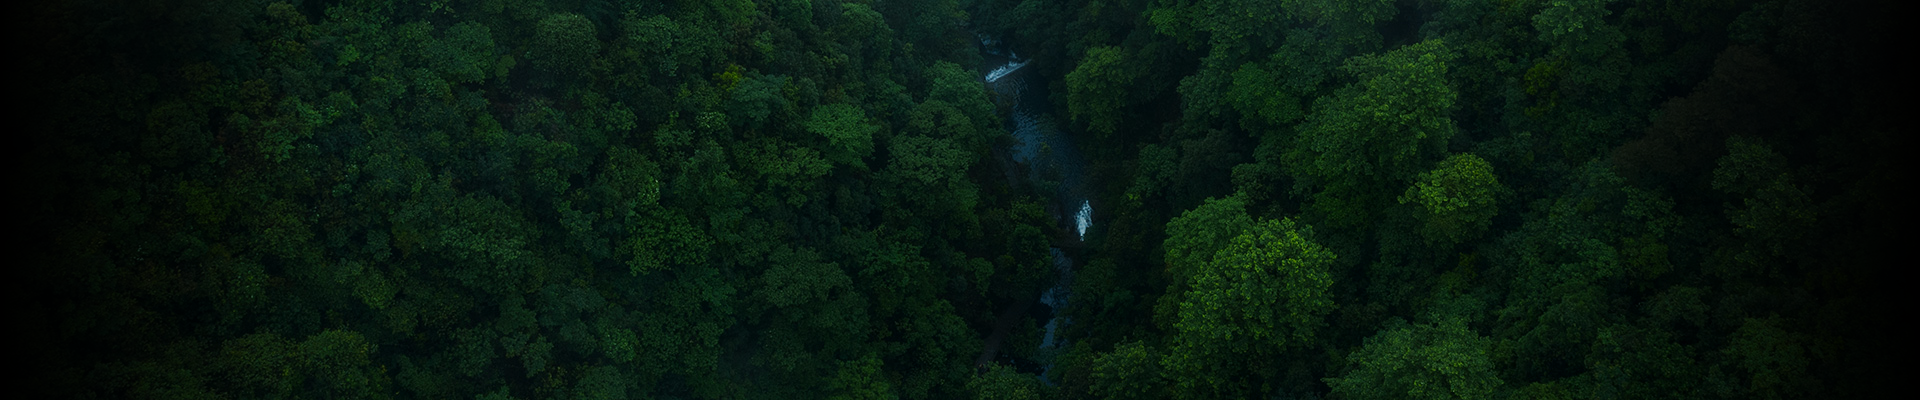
791, 199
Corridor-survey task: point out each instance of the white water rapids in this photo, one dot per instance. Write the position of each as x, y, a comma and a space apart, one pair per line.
1002, 72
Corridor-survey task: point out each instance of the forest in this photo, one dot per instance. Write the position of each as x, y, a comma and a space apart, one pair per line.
959, 199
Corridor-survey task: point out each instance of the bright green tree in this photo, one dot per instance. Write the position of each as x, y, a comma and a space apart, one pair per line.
1262, 295
848, 133
1439, 361
1194, 237
1456, 199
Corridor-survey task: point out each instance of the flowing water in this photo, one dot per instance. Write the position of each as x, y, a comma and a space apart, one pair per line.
1056, 169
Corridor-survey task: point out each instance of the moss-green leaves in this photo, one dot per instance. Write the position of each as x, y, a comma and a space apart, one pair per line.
565, 44
1376, 132
1456, 199
848, 133
1437, 361
1097, 88
1261, 295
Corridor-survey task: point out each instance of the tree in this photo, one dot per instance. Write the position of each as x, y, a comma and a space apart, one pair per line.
928, 177
1237, 23
1563, 263
338, 363
1001, 382
1774, 358
1130, 371
1262, 295
848, 133
798, 277
861, 379
1374, 132
1097, 88
655, 37
864, 31
484, 241
1773, 210
755, 102
601, 383
1456, 198
1442, 360
258, 365
1584, 42
464, 54
565, 44
1261, 95
1194, 237
1627, 361
951, 84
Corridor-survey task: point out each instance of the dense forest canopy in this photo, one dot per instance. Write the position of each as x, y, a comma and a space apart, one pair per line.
800, 199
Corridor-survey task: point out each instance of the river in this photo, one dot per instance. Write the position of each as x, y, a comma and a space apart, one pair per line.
1055, 168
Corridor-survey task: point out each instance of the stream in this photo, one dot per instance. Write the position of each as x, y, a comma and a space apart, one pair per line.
1055, 168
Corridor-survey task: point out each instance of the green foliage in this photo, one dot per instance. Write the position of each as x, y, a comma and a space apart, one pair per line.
951, 84
1579, 32
1456, 198
340, 365
1428, 361
1772, 209
1570, 21
564, 44
927, 176
1628, 361
1563, 261
1097, 87
1003, 383
662, 238
798, 276
1131, 371
1587, 58
864, 31
601, 383
861, 379
260, 364
480, 234
1232, 23
465, 54
655, 36
1774, 359
1260, 94
849, 134
1377, 131
812, 199
630, 180
1197, 235
756, 100
1260, 296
